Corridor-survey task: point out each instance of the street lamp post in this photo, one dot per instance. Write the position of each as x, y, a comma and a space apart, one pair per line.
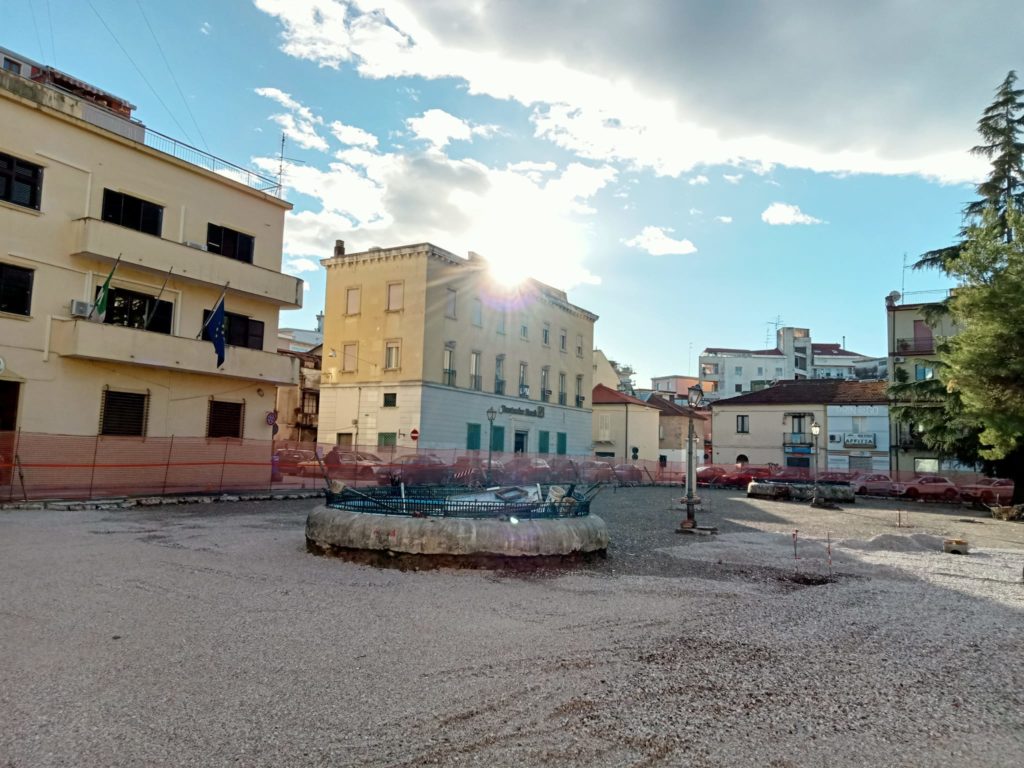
491, 415
693, 397
815, 431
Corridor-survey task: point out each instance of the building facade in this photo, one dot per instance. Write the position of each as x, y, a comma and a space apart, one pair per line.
419, 344
773, 425
674, 430
673, 386
92, 205
625, 428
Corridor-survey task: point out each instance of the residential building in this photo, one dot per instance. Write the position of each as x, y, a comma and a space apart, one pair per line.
612, 374
726, 372
773, 425
95, 205
914, 334
301, 339
298, 407
418, 339
673, 429
673, 387
625, 427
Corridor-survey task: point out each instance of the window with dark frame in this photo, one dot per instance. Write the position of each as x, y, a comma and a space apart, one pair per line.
124, 414
310, 403
15, 290
743, 424
132, 212
390, 399
239, 330
228, 242
21, 183
12, 66
225, 419
131, 309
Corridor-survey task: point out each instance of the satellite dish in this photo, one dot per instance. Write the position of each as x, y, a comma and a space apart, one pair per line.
892, 298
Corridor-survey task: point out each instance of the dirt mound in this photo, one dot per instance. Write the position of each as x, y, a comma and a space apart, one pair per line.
893, 542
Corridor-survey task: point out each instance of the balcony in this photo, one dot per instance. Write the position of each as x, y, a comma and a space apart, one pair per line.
545, 395
499, 386
915, 346
129, 346
448, 377
797, 438
107, 241
580, 399
561, 398
476, 382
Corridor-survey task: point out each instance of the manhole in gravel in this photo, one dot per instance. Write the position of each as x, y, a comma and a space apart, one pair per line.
806, 579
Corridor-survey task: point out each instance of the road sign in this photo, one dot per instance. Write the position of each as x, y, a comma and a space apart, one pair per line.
414, 434
271, 418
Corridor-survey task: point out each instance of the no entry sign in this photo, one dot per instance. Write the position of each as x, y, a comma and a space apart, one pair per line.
414, 434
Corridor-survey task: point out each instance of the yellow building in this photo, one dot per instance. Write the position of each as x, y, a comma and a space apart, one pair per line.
83, 187
416, 338
913, 341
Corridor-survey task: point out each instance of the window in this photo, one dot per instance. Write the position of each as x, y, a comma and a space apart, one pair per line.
311, 403
661, 431
604, 427
579, 392
21, 183
579, 346
543, 442
395, 296
476, 381
743, 424
124, 414
225, 419
524, 385
499, 375
545, 393
472, 437
563, 339
560, 443
449, 307
524, 331
739, 387
497, 438
350, 357
352, 296
392, 355
561, 388
799, 421
478, 313
860, 424
12, 66
239, 330
545, 335
778, 371
387, 439
923, 373
228, 242
138, 310
501, 324
390, 399
15, 290
739, 370
448, 367
131, 212
760, 370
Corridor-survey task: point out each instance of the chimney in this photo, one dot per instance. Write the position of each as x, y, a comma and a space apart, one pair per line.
339, 248
320, 322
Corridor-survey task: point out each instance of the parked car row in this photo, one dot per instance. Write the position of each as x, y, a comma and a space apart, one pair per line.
989, 491
428, 469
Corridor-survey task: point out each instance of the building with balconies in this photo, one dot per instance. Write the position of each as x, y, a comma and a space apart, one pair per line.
421, 343
94, 204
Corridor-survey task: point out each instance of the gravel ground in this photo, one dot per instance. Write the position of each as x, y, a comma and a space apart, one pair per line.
207, 636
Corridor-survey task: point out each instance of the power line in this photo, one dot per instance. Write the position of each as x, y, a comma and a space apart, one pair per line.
35, 26
171, 72
137, 69
53, 45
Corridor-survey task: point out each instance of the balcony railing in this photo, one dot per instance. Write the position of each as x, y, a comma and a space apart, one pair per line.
476, 382
797, 438
580, 399
561, 398
545, 395
448, 377
499, 386
915, 346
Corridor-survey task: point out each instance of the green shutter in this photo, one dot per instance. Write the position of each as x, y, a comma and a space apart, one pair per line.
542, 442
386, 439
472, 437
498, 439
561, 449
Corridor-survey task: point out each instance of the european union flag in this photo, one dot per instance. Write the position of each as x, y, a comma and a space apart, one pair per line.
215, 326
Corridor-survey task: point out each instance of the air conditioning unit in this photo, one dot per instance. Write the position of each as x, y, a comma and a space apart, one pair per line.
834, 438
193, 244
80, 308
899, 359
524, 390
546, 392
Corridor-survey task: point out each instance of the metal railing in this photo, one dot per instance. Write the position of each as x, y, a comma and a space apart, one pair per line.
499, 386
190, 154
561, 398
448, 377
476, 382
913, 346
797, 438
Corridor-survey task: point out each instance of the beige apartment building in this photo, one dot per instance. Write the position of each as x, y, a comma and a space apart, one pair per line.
85, 187
625, 427
421, 343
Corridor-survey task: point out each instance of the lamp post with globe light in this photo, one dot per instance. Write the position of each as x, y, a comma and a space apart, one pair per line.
491, 415
694, 396
815, 431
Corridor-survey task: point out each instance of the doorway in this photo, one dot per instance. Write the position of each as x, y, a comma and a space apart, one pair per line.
10, 391
521, 440
344, 440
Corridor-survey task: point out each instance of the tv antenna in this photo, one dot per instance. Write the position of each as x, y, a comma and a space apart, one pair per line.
280, 164
778, 322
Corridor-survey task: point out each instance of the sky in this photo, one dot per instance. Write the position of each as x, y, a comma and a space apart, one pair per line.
691, 172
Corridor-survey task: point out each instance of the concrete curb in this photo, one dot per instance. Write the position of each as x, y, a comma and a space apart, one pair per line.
124, 502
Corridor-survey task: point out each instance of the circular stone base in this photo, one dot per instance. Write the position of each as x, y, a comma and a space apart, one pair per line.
446, 541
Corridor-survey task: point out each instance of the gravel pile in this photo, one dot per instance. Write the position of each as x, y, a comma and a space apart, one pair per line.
209, 637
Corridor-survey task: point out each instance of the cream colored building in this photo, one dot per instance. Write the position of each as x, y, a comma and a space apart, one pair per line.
625, 428
82, 187
416, 338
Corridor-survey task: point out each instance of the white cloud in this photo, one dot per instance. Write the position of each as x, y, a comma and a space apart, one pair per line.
655, 241
438, 127
696, 211
602, 99
205, 28
732, 178
698, 180
351, 135
783, 213
298, 266
299, 124
724, 219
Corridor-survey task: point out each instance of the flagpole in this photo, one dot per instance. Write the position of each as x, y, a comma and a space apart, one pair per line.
156, 304
104, 290
218, 301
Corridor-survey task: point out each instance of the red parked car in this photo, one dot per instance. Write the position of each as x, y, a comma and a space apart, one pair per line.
416, 469
741, 477
708, 475
929, 487
525, 470
627, 474
990, 490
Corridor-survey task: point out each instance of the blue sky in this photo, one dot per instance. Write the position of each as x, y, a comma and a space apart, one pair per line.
686, 170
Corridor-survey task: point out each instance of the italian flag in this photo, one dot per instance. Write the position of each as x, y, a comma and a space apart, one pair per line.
100, 307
